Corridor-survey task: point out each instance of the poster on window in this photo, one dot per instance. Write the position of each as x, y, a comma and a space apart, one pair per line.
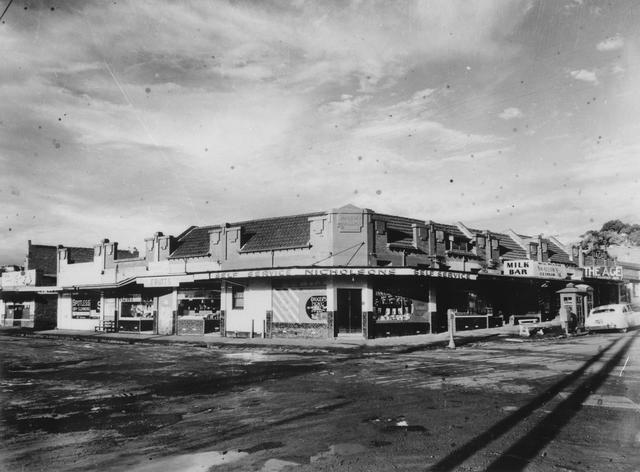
85, 307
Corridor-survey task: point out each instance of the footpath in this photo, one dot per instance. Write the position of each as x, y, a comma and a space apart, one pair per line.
342, 342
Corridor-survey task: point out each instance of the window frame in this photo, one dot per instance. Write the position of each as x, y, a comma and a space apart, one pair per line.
237, 302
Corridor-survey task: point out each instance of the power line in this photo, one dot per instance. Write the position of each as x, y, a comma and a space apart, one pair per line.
5, 9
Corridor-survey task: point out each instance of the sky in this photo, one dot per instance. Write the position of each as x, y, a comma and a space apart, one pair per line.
122, 118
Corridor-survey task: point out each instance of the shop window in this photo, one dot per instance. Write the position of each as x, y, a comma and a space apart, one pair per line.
468, 301
201, 308
85, 306
237, 294
389, 306
137, 307
481, 242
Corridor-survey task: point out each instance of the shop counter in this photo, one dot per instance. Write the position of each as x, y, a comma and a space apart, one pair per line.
135, 324
197, 325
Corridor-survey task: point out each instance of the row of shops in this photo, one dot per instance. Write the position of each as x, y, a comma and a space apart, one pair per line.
347, 271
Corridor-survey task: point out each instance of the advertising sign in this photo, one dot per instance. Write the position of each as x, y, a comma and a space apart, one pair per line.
528, 268
315, 306
602, 272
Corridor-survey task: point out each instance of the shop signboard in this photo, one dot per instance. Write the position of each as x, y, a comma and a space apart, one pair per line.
529, 268
316, 306
349, 222
168, 281
343, 271
80, 305
85, 307
603, 272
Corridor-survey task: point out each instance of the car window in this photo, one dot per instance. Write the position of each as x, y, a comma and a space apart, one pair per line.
603, 310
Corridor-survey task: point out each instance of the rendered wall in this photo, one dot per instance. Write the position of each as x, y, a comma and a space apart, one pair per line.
296, 311
257, 300
65, 320
167, 305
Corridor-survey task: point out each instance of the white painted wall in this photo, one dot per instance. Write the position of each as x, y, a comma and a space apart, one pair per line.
257, 300
167, 304
65, 321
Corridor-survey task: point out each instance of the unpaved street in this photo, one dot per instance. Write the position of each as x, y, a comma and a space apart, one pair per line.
559, 404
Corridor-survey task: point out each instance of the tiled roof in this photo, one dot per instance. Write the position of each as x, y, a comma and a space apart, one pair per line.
557, 254
449, 229
509, 249
257, 235
399, 223
193, 242
275, 233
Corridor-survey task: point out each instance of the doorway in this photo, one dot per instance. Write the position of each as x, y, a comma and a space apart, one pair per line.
349, 313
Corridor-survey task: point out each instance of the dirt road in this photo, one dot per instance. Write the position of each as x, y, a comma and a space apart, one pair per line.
563, 404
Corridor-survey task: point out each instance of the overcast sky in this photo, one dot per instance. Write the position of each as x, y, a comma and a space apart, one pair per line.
121, 118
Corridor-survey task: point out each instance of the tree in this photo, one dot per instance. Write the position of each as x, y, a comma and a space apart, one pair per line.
612, 233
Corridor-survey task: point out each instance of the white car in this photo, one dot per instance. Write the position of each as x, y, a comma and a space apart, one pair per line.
618, 316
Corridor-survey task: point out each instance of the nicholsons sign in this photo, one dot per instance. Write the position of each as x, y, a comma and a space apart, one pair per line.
343, 271
527, 268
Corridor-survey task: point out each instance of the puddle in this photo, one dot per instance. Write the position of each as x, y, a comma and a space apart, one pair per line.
509, 408
198, 462
277, 465
342, 449
248, 356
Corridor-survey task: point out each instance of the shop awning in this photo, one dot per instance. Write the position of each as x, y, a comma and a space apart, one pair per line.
122, 283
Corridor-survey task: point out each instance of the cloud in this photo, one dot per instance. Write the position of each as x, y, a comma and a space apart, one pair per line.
611, 44
510, 113
585, 76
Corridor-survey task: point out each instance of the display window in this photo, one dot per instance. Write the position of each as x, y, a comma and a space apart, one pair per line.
136, 307
389, 306
85, 305
199, 304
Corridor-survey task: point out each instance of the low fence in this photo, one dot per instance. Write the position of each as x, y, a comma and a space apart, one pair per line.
464, 321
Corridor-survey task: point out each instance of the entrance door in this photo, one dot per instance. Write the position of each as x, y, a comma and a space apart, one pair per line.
349, 314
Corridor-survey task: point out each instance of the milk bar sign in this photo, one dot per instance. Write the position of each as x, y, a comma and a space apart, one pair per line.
527, 268
602, 272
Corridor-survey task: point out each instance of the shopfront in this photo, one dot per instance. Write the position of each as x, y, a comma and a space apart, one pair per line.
400, 311
299, 308
137, 313
29, 309
199, 311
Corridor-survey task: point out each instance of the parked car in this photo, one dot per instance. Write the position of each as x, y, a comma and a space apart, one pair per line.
618, 316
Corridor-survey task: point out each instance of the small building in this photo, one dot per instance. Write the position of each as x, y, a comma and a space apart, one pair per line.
28, 296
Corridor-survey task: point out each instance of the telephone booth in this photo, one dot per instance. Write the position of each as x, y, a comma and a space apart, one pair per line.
577, 299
